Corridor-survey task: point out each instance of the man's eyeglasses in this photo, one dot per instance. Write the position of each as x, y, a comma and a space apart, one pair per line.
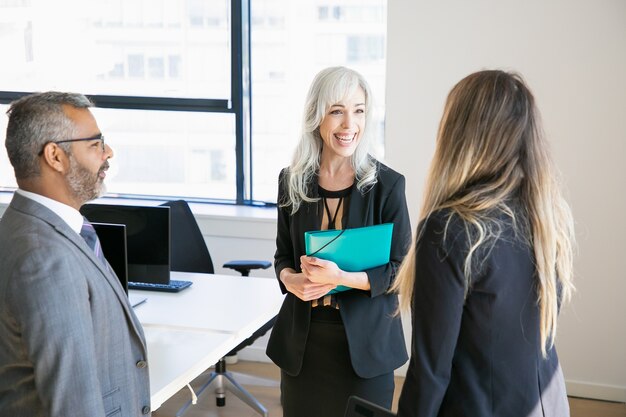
99, 137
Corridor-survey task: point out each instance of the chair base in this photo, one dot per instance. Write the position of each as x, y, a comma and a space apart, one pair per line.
257, 381
224, 381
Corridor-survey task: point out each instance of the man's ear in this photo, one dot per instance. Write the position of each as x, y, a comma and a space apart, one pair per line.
55, 157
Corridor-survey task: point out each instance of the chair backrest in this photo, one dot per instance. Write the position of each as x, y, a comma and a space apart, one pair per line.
189, 250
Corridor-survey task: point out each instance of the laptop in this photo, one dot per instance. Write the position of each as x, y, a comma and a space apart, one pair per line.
113, 242
358, 407
148, 242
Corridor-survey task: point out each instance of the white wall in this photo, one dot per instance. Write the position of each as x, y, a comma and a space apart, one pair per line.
573, 55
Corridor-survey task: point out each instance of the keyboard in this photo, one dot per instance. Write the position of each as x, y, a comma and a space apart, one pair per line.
173, 286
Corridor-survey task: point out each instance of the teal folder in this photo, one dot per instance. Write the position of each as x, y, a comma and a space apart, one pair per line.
353, 250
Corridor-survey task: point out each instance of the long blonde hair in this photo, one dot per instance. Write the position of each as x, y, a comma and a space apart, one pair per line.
329, 87
490, 152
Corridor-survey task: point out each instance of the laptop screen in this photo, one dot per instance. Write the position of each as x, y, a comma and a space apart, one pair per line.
147, 236
113, 241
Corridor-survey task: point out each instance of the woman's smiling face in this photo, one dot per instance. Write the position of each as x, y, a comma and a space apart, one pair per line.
343, 124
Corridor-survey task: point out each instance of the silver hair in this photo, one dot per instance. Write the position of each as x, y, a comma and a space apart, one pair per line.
330, 86
36, 120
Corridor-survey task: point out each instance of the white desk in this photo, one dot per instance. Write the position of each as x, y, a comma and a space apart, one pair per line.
177, 357
189, 331
217, 303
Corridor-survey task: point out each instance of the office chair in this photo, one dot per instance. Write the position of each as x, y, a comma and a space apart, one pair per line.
189, 253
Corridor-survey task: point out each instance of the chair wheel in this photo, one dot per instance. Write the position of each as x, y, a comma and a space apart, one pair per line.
220, 402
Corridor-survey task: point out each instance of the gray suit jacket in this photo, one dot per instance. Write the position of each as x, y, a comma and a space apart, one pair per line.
70, 344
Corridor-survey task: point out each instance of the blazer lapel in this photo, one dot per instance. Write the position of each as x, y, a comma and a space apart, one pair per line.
309, 219
358, 212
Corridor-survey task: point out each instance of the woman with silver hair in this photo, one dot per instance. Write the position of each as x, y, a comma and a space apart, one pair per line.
332, 346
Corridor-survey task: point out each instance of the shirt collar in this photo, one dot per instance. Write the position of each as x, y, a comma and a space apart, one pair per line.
70, 215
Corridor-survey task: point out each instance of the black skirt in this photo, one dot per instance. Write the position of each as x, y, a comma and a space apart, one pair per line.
327, 378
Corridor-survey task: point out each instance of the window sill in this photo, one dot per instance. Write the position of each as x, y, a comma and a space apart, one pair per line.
214, 219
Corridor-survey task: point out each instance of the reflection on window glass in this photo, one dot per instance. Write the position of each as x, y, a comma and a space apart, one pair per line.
174, 66
135, 66
117, 71
156, 67
314, 35
365, 48
170, 153
117, 47
322, 12
337, 12
161, 153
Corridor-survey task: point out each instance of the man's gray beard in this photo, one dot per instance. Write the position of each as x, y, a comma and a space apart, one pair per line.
82, 183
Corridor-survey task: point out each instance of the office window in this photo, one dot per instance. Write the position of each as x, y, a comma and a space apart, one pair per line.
170, 88
189, 154
82, 48
139, 48
285, 60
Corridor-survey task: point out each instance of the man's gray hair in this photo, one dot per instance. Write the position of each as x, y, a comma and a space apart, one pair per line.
35, 120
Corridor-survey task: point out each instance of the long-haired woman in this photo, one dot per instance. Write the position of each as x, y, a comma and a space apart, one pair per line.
491, 262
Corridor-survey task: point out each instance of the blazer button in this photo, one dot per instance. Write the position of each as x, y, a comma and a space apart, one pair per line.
141, 364
145, 410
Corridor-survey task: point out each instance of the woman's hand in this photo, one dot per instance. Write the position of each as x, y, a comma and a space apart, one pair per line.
303, 288
327, 272
320, 271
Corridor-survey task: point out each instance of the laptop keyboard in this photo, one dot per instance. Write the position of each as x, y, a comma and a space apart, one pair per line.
173, 286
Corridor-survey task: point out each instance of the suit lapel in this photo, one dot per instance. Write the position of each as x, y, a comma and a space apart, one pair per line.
109, 276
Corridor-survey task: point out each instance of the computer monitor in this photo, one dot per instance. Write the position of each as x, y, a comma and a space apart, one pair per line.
147, 236
113, 242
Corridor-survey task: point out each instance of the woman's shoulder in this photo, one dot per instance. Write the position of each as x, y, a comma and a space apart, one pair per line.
283, 176
386, 172
450, 231
387, 177
445, 228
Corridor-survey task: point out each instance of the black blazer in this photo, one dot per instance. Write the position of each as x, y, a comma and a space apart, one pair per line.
374, 335
480, 356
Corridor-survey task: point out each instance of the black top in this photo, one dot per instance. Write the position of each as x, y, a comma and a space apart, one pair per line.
324, 193
478, 356
342, 205
374, 334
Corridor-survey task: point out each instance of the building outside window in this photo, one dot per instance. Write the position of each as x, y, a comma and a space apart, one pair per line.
181, 49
